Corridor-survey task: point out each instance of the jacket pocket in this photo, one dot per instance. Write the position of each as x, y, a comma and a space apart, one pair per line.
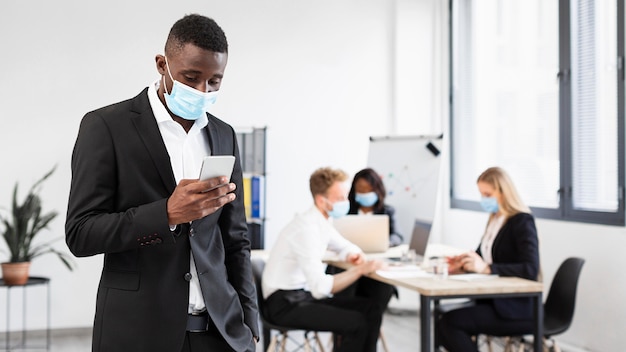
121, 280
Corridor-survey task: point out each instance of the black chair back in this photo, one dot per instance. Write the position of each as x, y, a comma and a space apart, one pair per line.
561, 301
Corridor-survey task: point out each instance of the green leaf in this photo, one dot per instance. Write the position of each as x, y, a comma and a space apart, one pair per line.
25, 221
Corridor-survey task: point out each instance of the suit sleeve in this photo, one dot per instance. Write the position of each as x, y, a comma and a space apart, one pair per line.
96, 221
395, 238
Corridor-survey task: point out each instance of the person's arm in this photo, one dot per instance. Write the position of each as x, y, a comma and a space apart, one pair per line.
348, 277
515, 252
395, 238
115, 204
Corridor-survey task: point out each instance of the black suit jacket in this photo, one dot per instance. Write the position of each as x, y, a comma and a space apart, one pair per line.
515, 252
121, 180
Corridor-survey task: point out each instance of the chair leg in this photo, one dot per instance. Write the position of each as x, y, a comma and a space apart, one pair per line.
318, 341
283, 343
508, 344
271, 347
383, 340
489, 345
551, 346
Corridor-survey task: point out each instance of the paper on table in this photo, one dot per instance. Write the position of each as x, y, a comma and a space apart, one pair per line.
472, 277
402, 271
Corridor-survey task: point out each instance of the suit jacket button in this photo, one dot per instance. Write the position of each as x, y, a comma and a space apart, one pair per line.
188, 277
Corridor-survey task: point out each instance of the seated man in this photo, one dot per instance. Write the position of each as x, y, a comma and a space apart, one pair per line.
298, 291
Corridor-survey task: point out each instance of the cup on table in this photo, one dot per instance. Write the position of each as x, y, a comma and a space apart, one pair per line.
440, 268
409, 256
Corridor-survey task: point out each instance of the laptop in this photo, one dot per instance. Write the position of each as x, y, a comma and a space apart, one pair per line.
368, 232
419, 240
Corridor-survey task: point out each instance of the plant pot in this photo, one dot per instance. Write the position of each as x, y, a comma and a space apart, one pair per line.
15, 273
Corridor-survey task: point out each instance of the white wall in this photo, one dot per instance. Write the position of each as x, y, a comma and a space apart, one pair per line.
316, 73
323, 76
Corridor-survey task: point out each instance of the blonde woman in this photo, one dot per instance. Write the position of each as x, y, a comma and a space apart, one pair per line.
509, 247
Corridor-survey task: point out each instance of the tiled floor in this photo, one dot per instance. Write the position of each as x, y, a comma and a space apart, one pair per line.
400, 327
401, 330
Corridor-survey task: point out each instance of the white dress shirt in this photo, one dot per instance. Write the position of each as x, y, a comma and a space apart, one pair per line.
186, 151
486, 245
295, 261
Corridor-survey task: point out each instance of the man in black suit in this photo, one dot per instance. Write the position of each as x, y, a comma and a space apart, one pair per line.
176, 273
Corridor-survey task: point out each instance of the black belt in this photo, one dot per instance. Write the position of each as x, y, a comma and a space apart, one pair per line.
198, 322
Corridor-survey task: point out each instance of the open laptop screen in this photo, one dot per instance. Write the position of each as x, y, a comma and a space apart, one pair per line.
419, 238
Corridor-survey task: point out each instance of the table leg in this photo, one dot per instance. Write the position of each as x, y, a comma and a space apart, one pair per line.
23, 344
425, 323
48, 317
538, 333
8, 334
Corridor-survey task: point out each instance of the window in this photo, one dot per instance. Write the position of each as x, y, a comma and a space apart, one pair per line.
537, 88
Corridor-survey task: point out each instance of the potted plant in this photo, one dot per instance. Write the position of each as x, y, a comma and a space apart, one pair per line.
21, 225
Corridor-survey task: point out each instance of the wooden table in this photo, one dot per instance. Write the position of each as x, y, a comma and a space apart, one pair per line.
431, 290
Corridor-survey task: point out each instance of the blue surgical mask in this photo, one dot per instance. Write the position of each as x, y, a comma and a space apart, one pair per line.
366, 199
339, 209
489, 204
187, 102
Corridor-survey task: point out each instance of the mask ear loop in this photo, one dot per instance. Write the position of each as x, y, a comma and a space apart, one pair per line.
170, 73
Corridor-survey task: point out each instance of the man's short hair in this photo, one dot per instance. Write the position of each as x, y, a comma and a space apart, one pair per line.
323, 178
198, 30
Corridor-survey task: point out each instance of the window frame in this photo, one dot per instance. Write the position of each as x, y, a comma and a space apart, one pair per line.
565, 211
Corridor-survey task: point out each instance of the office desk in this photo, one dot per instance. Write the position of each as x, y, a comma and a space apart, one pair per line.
431, 290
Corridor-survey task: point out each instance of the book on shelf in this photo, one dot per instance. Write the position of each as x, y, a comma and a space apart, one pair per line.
257, 188
247, 194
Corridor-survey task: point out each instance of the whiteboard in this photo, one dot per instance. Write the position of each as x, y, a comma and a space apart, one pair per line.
410, 168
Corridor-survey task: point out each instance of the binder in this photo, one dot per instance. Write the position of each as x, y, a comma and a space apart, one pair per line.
247, 195
258, 192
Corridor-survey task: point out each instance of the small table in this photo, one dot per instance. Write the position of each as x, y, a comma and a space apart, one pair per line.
32, 281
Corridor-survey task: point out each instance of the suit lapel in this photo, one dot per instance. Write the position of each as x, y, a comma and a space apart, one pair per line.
148, 131
214, 137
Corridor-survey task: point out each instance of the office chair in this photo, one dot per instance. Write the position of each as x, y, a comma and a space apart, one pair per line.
278, 342
558, 309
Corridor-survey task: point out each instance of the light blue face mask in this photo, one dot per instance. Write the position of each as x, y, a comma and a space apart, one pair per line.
339, 209
366, 199
489, 204
186, 102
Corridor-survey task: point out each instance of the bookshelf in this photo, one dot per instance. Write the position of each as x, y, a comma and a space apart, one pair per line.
252, 155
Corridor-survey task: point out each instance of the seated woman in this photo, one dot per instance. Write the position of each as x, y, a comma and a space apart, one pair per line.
367, 196
509, 247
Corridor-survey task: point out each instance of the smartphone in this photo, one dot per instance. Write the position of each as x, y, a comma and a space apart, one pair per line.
217, 165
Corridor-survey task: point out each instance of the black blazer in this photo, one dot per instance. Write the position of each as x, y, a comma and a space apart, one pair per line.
515, 252
121, 181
